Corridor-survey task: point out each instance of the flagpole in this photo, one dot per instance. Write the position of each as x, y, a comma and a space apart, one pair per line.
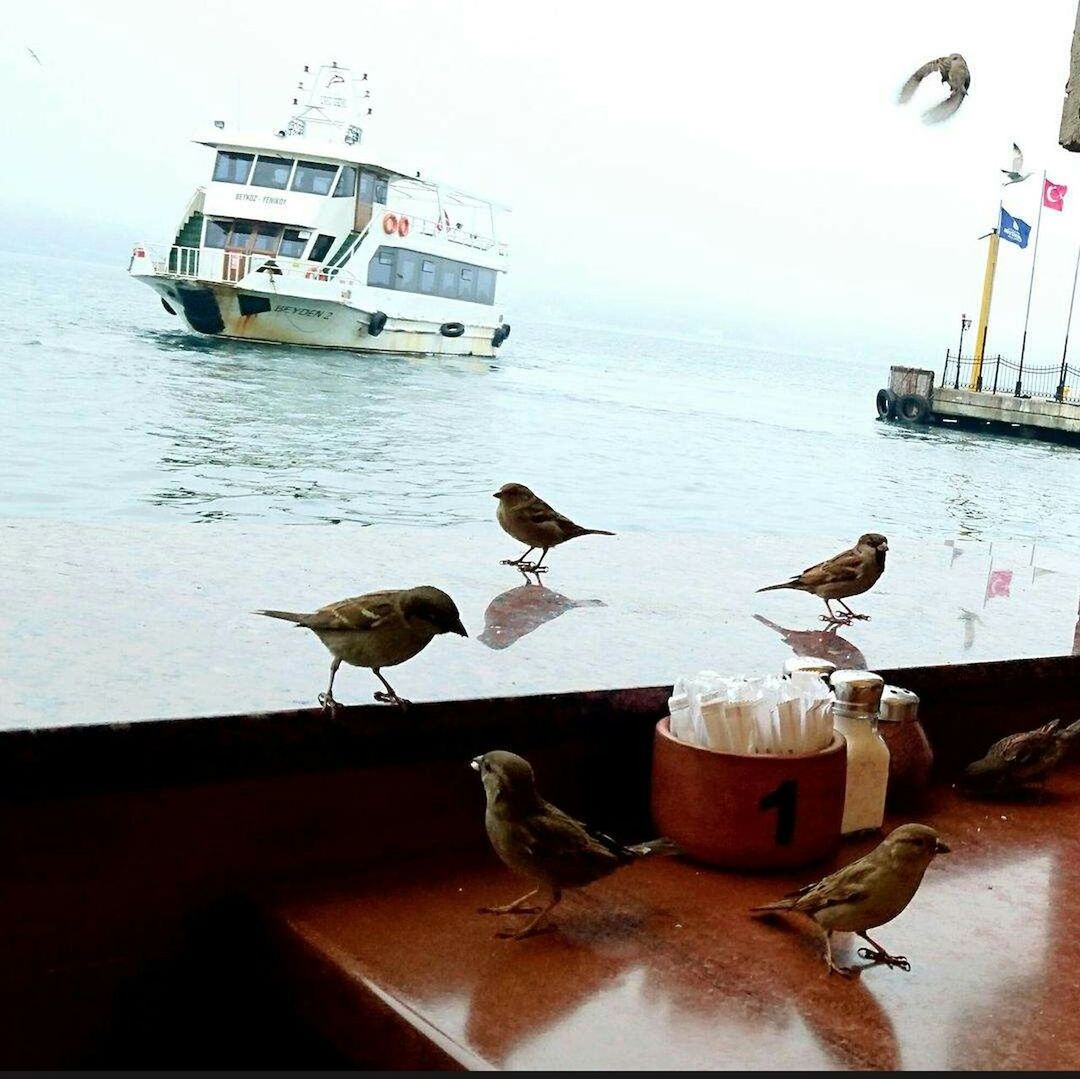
984, 307
1031, 284
1072, 300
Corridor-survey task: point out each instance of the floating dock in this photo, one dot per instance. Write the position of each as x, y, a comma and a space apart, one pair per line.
912, 398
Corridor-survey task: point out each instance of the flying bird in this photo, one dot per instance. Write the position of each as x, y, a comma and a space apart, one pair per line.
954, 73
539, 841
1020, 760
35, 56
378, 629
1015, 174
850, 573
868, 892
531, 520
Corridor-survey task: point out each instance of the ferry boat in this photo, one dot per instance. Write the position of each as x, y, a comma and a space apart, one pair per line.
305, 236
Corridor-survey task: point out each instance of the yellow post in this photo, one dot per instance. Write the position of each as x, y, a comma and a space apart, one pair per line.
984, 310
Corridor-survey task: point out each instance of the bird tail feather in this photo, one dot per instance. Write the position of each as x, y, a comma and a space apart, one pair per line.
787, 584
945, 109
287, 616
780, 904
1071, 731
596, 532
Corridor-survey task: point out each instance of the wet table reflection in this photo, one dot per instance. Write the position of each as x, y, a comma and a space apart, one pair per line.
660, 966
109, 623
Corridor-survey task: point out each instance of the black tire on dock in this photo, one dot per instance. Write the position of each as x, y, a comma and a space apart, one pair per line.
451, 329
886, 405
913, 408
376, 324
500, 335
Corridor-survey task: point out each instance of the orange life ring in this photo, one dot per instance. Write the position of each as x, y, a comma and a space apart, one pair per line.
403, 227
389, 224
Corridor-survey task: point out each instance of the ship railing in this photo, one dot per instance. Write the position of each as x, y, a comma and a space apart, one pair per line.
453, 232
174, 260
994, 374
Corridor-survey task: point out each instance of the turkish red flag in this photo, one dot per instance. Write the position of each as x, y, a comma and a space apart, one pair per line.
997, 584
1054, 195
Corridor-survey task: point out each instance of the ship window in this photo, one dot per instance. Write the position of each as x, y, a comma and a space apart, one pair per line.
381, 268
232, 168
320, 248
381, 187
240, 237
346, 185
367, 187
408, 263
266, 239
485, 285
313, 177
427, 275
216, 232
293, 242
272, 172
466, 285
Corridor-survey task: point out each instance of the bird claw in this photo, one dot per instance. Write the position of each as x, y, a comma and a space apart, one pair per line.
391, 698
900, 961
836, 620
328, 704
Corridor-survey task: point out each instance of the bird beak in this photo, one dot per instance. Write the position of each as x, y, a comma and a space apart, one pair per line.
495, 495
474, 764
459, 629
942, 848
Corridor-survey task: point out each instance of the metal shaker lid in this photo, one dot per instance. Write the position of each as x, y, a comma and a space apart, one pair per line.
810, 664
898, 705
860, 690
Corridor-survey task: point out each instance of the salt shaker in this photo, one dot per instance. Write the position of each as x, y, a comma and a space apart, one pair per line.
910, 755
811, 664
855, 713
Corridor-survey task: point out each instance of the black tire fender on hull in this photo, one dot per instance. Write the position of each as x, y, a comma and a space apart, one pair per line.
500, 335
452, 329
913, 408
376, 324
201, 310
886, 404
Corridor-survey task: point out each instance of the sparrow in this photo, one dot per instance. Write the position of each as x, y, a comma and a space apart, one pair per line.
531, 520
868, 892
954, 73
378, 629
848, 574
539, 841
1014, 174
1018, 760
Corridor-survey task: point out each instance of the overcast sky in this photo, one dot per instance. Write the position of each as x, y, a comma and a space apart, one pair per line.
736, 167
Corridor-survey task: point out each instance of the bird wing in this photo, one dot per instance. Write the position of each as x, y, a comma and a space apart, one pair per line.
1019, 750
847, 885
358, 613
847, 566
562, 849
1018, 159
945, 109
912, 84
539, 514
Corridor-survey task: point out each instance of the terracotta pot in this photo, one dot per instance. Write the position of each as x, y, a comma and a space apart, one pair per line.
748, 811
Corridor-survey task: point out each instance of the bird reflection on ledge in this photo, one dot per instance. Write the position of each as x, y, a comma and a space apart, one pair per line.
518, 611
821, 644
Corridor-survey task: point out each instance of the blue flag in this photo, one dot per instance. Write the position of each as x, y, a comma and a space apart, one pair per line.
1013, 229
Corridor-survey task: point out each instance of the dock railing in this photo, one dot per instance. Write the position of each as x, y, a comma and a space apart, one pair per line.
1060, 382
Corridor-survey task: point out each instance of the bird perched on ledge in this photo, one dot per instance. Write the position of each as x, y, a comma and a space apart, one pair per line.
378, 629
539, 841
1020, 760
531, 520
954, 73
868, 892
849, 573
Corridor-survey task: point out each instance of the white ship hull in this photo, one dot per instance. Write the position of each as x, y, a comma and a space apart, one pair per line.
316, 323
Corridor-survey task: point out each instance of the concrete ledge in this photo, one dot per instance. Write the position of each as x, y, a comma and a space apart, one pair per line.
1061, 416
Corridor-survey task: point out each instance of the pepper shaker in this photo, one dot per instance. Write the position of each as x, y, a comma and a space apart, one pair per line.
855, 714
910, 756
